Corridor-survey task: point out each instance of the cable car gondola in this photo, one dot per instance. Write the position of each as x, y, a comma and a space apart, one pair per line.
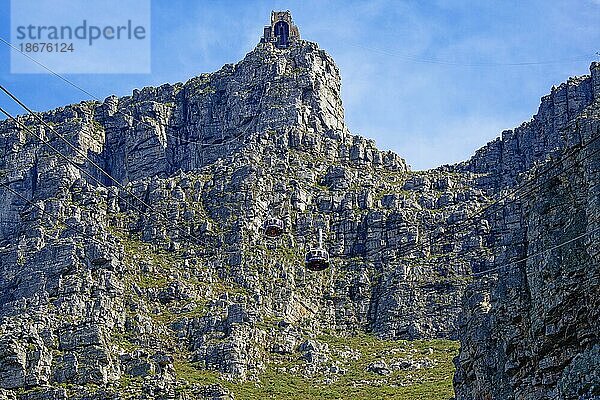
273, 228
317, 259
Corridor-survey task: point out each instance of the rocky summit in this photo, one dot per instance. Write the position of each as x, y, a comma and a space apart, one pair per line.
134, 262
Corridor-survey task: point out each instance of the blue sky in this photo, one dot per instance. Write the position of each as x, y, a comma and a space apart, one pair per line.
430, 113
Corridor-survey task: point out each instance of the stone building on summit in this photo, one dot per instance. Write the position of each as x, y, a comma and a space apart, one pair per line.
282, 32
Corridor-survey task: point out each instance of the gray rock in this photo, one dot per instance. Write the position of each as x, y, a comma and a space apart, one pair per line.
379, 367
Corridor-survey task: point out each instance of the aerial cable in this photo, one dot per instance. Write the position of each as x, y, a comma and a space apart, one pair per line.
54, 149
516, 262
522, 195
44, 212
71, 83
93, 178
417, 59
465, 224
77, 150
248, 125
203, 145
568, 154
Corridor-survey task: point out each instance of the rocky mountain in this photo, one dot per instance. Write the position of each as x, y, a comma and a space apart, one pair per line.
133, 262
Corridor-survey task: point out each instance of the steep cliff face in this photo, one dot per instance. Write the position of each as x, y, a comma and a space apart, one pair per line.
113, 290
530, 329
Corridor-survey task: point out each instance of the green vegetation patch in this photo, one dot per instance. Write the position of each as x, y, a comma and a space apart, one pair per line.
286, 376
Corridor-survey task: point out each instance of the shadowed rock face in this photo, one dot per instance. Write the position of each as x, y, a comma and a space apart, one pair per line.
531, 330
103, 296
